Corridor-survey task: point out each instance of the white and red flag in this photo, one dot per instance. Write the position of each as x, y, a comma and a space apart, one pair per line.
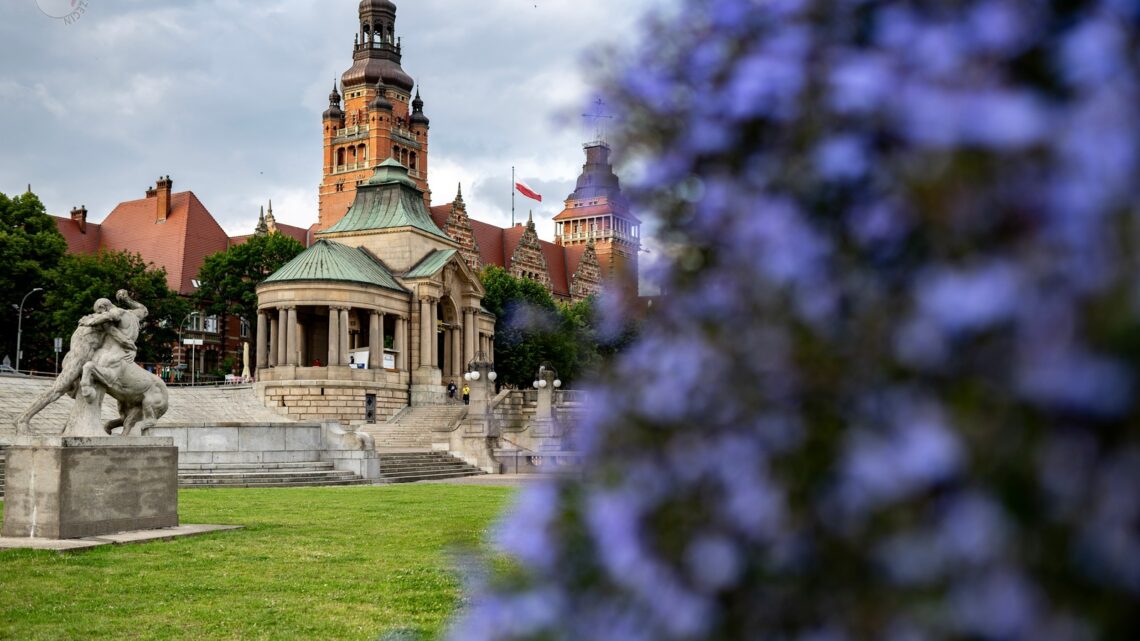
525, 190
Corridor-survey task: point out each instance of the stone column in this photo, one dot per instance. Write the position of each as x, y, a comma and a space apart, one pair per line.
425, 337
344, 336
457, 361
468, 335
401, 345
271, 346
262, 340
302, 346
334, 337
433, 334
491, 348
376, 340
291, 337
282, 333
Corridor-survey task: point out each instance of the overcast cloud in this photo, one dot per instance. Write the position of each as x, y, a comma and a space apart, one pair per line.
226, 97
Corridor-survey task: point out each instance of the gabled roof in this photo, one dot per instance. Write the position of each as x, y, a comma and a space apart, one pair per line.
328, 260
574, 255
511, 238
490, 239
430, 264
439, 214
79, 242
299, 234
556, 267
388, 200
179, 244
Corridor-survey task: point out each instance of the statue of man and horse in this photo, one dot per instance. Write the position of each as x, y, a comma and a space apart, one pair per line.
102, 361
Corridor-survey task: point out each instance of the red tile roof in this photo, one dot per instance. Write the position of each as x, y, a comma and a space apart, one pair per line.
179, 244
556, 267
439, 214
511, 238
574, 255
79, 242
490, 239
300, 234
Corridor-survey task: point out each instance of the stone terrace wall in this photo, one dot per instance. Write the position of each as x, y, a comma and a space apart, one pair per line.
324, 401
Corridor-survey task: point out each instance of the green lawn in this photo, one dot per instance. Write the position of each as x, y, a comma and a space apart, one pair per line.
319, 564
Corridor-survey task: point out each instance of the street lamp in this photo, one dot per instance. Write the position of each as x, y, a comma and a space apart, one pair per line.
20, 325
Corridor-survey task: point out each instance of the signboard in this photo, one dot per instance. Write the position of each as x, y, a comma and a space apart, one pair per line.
191, 341
58, 345
358, 359
389, 360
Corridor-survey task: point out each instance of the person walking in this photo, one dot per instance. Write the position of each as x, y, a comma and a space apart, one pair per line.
466, 394
451, 390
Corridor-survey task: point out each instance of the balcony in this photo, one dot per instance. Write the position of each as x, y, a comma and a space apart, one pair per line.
352, 166
351, 132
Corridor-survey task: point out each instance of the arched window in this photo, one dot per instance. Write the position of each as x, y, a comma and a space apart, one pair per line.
363, 153
412, 164
340, 157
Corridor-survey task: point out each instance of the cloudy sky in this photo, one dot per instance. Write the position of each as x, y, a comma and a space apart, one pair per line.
226, 97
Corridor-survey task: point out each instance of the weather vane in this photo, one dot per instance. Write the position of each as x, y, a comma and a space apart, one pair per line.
599, 117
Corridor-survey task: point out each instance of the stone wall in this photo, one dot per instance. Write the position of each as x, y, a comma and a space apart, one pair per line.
458, 226
341, 401
586, 280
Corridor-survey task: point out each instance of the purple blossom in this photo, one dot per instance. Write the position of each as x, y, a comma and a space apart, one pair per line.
891, 390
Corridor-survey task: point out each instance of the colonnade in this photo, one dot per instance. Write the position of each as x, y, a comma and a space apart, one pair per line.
280, 338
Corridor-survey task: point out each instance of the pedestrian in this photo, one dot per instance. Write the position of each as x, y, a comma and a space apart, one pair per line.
451, 390
466, 394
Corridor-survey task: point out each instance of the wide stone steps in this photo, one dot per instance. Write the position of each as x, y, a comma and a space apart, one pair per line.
407, 467
300, 474
413, 428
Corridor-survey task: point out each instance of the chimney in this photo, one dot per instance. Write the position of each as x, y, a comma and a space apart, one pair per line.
163, 187
79, 215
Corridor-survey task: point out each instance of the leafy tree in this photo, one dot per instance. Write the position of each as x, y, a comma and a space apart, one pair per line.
229, 278
80, 279
30, 246
526, 326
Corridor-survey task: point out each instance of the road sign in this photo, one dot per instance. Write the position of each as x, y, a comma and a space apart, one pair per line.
191, 341
58, 345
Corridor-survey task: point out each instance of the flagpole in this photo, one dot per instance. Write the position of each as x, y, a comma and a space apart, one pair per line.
512, 196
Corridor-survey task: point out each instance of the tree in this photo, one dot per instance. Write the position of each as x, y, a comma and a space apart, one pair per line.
528, 327
81, 279
30, 246
229, 279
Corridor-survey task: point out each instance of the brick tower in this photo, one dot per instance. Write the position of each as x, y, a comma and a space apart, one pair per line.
597, 213
379, 119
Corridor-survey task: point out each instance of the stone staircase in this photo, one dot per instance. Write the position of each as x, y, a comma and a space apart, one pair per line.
411, 428
303, 474
407, 467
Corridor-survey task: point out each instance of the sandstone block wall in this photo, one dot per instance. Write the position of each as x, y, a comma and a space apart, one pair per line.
324, 401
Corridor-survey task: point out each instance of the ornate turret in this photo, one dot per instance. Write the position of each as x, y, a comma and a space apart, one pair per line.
334, 111
418, 116
261, 228
380, 102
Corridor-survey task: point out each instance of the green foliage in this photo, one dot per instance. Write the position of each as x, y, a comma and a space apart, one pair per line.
334, 564
30, 246
532, 329
79, 280
229, 279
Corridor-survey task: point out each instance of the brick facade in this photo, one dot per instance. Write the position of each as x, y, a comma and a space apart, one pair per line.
586, 280
458, 226
527, 261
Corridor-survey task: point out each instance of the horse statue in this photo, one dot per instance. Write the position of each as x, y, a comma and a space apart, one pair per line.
101, 361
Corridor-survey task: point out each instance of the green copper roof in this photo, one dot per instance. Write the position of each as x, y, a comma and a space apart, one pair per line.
327, 260
387, 200
431, 263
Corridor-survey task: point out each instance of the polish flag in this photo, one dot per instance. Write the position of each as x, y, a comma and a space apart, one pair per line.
525, 190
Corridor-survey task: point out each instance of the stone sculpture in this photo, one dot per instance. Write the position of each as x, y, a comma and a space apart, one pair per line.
101, 361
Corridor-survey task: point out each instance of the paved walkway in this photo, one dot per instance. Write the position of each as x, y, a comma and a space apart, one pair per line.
503, 480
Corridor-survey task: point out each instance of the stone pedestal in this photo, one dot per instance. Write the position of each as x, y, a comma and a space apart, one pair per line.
75, 487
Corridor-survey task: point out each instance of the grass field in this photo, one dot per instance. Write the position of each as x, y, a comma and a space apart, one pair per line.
320, 564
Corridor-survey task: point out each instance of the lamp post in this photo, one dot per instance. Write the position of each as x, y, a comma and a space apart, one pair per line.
20, 325
193, 345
